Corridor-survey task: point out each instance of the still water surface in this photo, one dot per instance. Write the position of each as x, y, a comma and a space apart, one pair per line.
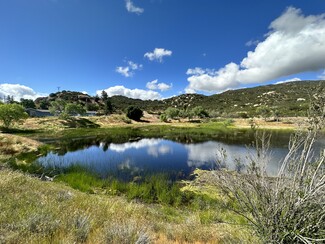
156, 155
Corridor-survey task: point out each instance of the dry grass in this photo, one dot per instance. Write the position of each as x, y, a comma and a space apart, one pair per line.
13, 144
47, 123
283, 123
32, 211
56, 124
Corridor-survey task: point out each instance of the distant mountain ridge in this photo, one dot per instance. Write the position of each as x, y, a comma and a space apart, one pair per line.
289, 99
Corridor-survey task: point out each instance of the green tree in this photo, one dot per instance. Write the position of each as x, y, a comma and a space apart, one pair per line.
11, 113
108, 108
57, 107
104, 95
44, 104
276, 114
183, 113
263, 111
133, 112
92, 106
200, 112
74, 109
172, 113
27, 103
9, 99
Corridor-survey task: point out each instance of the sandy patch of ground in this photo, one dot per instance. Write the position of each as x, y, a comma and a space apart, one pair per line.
56, 124
283, 123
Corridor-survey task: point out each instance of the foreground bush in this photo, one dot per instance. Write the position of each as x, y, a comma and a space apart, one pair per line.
288, 208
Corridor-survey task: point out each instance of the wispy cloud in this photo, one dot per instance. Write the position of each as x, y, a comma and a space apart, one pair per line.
252, 43
322, 76
154, 85
128, 71
131, 93
158, 54
132, 8
294, 44
18, 91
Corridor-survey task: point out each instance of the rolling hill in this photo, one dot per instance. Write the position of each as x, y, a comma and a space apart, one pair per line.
288, 99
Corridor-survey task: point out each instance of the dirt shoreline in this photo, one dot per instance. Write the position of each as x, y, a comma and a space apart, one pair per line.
54, 123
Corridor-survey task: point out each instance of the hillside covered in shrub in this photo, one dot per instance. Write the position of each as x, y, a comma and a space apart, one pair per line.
286, 99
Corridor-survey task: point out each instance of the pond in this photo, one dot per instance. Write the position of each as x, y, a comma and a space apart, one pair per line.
126, 159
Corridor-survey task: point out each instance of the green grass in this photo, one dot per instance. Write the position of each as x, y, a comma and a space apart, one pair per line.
221, 130
184, 132
80, 207
33, 211
113, 211
157, 188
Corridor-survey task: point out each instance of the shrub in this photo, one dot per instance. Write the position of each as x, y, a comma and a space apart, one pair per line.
27, 103
263, 111
126, 120
288, 208
243, 115
200, 112
163, 118
172, 113
74, 109
57, 107
134, 113
82, 227
228, 122
11, 113
126, 232
92, 107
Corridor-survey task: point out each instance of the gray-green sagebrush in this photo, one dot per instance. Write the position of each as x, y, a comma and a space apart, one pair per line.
290, 207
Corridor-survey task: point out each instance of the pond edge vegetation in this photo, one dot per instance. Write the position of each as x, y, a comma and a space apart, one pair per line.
277, 209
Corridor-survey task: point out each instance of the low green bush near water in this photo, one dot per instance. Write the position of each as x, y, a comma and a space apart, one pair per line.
156, 188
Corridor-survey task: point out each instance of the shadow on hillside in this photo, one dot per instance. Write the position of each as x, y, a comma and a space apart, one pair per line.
143, 121
195, 121
16, 130
79, 123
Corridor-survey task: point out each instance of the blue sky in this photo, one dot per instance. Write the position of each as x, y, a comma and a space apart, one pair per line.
154, 49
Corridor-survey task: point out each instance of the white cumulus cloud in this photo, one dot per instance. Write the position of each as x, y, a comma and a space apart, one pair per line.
131, 93
154, 85
130, 7
18, 91
158, 54
157, 151
128, 71
143, 143
294, 44
289, 80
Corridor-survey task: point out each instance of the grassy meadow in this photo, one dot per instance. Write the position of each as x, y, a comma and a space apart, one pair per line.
78, 207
